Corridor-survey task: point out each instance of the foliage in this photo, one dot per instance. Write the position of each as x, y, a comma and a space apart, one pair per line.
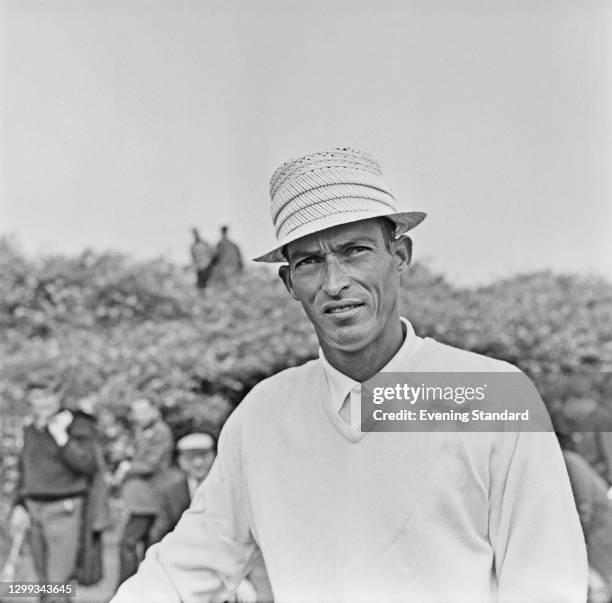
104, 324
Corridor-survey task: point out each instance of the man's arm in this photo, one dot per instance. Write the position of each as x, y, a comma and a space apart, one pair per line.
211, 549
539, 549
78, 451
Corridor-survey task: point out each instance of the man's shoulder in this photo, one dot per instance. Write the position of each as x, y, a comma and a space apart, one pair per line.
272, 400
273, 393
439, 356
173, 479
82, 424
289, 378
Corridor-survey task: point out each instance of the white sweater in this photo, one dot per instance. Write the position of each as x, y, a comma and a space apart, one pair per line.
424, 517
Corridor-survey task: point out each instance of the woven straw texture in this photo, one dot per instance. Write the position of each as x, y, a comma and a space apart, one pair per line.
339, 180
339, 157
331, 187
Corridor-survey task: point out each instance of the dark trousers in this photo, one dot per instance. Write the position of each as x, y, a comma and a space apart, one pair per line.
54, 537
134, 543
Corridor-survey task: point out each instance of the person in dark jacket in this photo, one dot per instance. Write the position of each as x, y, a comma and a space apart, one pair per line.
195, 457
228, 259
153, 444
196, 453
57, 463
96, 508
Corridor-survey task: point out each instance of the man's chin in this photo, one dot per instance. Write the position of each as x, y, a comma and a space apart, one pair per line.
348, 338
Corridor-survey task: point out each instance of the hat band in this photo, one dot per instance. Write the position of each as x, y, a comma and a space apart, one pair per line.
369, 206
315, 199
315, 180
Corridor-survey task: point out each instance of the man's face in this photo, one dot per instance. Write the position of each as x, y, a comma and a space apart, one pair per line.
43, 405
347, 280
196, 463
143, 412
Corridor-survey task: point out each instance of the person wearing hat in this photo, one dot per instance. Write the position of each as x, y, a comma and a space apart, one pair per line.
195, 456
196, 453
342, 514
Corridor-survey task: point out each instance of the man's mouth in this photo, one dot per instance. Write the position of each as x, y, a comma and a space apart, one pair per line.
341, 307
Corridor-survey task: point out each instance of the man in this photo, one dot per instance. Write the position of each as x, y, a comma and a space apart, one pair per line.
203, 259
96, 504
346, 515
57, 461
141, 476
595, 512
195, 456
228, 259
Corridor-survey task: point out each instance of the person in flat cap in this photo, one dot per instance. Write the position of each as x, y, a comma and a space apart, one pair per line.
195, 455
345, 514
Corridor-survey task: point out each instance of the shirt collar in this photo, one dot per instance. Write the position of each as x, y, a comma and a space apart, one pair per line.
192, 484
340, 385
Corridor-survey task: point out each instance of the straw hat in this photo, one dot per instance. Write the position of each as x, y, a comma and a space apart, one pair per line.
328, 188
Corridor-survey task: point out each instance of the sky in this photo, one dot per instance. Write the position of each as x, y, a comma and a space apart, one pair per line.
127, 122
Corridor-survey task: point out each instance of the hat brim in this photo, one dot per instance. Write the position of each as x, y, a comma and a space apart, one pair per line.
404, 221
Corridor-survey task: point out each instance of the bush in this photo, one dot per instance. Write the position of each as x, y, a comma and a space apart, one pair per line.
102, 323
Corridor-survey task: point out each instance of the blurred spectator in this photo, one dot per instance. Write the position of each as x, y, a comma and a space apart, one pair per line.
228, 259
591, 424
203, 258
96, 512
196, 453
57, 465
595, 512
195, 457
141, 477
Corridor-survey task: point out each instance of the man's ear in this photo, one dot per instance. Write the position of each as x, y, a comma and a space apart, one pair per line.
284, 272
402, 248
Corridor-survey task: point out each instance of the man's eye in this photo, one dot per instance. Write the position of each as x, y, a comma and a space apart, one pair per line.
357, 249
306, 261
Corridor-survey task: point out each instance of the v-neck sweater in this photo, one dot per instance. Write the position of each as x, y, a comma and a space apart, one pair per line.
342, 516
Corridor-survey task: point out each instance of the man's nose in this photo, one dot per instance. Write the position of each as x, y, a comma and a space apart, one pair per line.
335, 278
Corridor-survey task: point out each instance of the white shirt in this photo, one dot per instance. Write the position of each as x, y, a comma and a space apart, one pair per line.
340, 385
192, 484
